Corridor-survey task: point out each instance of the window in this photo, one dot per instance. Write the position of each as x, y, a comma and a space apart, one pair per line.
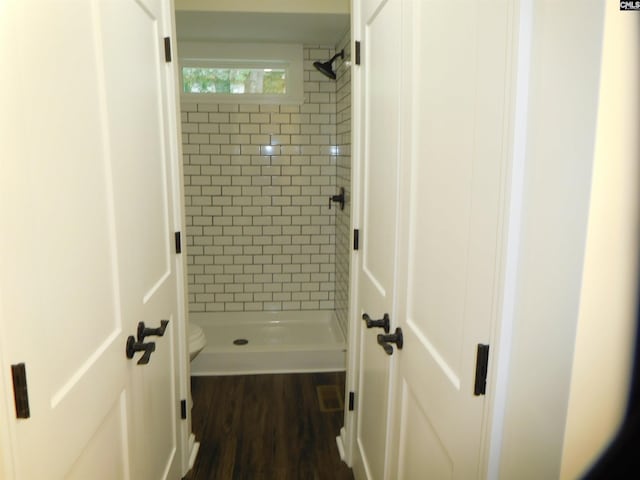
241, 73
236, 81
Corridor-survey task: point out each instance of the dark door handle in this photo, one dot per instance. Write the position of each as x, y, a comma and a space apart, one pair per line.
382, 323
133, 347
144, 332
385, 340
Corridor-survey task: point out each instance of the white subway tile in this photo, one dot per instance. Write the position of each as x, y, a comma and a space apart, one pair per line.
282, 296
272, 287
290, 129
208, 128
249, 128
207, 107
277, 118
228, 107
229, 128
309, 108
250, 149
259, 140
289, 108
269, 108
267, 128
210, 149
198, 138
239, 118
249, 107
260, 118
263, 297
272, 250
272, 268
270, 149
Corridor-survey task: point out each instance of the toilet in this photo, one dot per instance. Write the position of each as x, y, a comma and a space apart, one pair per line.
197, 340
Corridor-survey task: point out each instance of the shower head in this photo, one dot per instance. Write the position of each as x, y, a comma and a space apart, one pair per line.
326, 68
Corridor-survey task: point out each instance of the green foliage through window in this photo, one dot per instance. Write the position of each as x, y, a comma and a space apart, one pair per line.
269, 81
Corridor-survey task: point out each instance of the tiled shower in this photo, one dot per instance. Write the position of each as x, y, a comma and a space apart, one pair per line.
258, 178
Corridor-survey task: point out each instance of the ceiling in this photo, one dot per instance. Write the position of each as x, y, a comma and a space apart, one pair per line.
305, 28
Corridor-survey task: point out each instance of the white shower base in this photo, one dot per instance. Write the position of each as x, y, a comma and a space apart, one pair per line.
278, 342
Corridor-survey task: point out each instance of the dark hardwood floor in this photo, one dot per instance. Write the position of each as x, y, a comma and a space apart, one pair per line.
267, 427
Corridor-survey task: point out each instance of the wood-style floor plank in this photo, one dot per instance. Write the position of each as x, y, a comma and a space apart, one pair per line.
266, 427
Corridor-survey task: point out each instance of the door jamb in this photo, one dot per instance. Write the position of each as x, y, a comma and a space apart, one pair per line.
348, 433
502, 329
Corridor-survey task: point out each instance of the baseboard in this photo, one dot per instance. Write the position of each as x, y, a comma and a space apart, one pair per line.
194, 447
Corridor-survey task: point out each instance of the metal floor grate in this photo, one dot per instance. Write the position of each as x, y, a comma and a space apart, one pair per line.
330, 398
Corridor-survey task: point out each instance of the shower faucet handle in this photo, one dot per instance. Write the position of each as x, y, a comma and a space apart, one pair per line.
382, 323
338, 199
144, 332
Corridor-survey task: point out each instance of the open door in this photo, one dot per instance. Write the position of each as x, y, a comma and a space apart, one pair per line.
87, 207
380, 26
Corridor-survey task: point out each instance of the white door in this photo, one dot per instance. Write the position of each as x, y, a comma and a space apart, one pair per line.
87, 249
449, 266
379, 191
449, 60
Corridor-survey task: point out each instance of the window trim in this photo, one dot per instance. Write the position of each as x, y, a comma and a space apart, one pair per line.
244, 55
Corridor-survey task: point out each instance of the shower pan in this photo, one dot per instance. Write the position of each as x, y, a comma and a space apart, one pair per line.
240, 343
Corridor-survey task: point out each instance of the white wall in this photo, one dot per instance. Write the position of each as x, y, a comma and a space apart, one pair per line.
607, 319
561, 123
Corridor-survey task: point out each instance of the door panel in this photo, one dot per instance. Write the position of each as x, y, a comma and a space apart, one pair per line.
379, 201
93, 462
143, 222
132, 25
381, 145
420, 437
87, 255
60, 307
450, 257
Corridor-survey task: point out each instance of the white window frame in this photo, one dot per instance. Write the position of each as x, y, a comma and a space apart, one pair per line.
244, 55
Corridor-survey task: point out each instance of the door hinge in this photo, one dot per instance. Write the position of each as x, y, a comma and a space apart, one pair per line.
20, 392
178, 239
167, 49
482, 363
352, 401
356, 239
183, 409
357, 52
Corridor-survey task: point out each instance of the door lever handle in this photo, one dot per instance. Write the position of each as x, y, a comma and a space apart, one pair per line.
144, 332
382, 323
133, 347
385, 340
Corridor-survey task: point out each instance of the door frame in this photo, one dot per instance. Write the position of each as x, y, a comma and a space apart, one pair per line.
348, 438
186, 439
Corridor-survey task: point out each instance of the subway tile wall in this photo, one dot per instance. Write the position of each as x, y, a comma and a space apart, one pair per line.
260, 235
343, 179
